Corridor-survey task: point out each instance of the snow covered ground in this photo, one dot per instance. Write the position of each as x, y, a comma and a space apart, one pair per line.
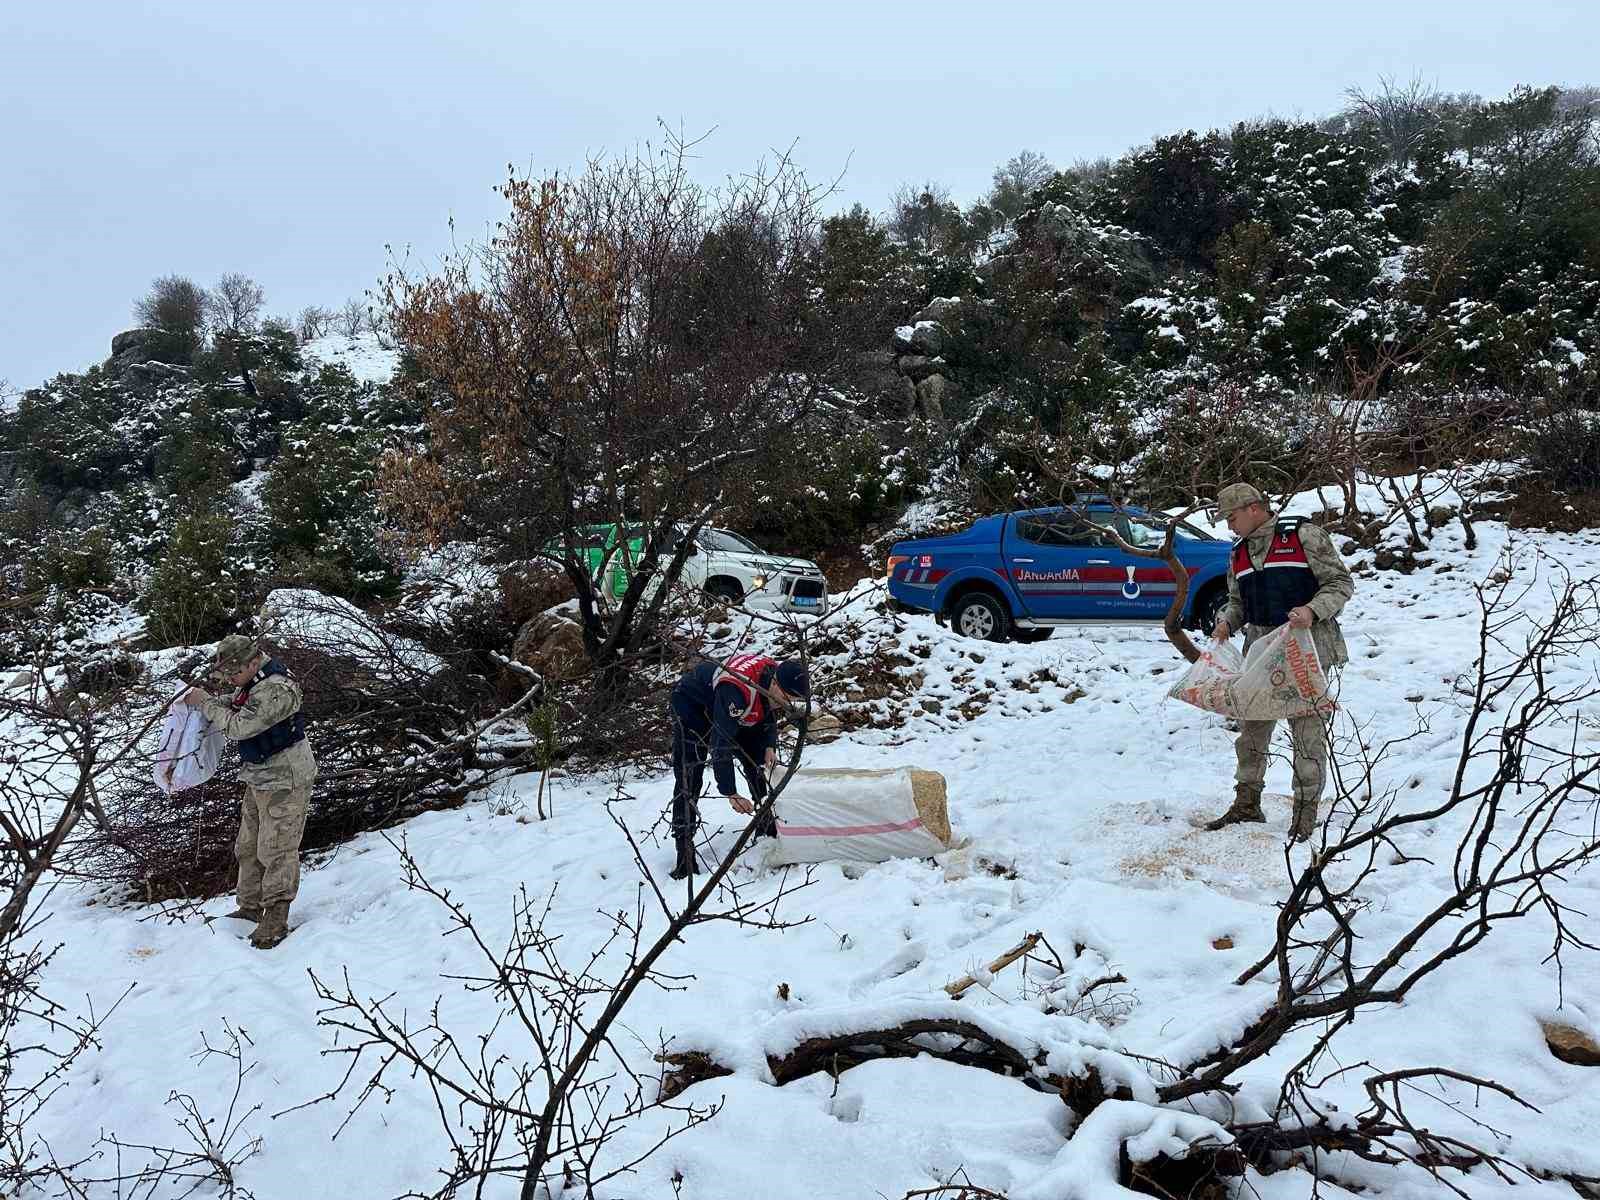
1079, 787
365, 355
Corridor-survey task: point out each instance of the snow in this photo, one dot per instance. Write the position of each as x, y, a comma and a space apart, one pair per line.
365, 355
1086, 1168
1080, 789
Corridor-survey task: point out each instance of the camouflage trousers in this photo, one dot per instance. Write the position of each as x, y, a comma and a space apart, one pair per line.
268, 849
1308, 741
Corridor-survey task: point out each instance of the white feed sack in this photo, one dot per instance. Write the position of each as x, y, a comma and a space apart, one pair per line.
1282, 677
861, 816
191, 747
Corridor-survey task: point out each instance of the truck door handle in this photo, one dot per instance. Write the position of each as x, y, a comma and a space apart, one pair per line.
1099, 562
1022, 560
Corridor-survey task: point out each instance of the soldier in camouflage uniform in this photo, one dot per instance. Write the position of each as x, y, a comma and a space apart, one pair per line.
277, 770
1283, 570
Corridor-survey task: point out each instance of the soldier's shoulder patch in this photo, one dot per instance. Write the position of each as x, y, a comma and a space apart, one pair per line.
736, 709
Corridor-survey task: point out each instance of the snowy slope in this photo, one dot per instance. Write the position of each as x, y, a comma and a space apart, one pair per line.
365, 355
1078, 786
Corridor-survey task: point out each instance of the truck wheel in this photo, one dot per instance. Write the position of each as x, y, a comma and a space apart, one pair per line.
980, 615
1208, 608
725, 590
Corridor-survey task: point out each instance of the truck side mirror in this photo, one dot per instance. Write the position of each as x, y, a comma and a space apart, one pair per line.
692, 551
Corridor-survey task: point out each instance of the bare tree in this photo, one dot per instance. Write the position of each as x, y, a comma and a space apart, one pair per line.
235, 303
352, 318
1016, 180
1400, 113
314, 321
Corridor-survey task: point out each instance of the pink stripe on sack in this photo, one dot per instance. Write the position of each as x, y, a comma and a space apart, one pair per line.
845, 830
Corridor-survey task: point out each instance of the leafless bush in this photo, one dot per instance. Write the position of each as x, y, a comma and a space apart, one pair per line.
1527, 794
215, 1146
1563, 444
53, 738
40, 1041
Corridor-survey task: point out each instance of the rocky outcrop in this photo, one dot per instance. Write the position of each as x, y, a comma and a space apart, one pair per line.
130, 343
934, 394
939, 309
917, 353
69, 510
137, 357
918, 367
551, 644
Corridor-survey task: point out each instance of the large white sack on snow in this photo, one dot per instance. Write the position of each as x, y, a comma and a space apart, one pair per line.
191, 748
1282, 677
862, 816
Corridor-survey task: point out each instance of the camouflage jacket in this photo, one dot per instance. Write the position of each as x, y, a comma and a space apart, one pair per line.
271, 700
1334, 589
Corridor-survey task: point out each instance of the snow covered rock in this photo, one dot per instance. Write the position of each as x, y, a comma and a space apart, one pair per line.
309, 620
940, 308
927, 337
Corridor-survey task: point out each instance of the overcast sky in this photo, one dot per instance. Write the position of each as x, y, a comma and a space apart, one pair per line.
295, 141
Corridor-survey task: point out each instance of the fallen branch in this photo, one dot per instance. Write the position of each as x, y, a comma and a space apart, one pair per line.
957, 988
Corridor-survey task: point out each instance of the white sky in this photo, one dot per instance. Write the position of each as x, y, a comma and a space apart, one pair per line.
294, 141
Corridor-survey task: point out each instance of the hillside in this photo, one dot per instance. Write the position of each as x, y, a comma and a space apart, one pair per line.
1078, 788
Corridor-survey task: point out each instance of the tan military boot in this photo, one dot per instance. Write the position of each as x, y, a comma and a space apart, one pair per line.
274, 927
1305, 820
1246, 806
244, 913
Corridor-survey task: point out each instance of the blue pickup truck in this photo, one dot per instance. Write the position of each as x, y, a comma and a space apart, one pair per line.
1021, 574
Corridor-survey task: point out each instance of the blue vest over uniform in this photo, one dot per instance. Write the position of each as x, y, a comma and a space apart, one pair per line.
1283, 581
275, 738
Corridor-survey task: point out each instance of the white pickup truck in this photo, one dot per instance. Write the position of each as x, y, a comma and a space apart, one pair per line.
733, 568
722, 564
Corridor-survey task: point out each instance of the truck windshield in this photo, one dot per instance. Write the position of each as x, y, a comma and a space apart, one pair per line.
727, 542
1147, 533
